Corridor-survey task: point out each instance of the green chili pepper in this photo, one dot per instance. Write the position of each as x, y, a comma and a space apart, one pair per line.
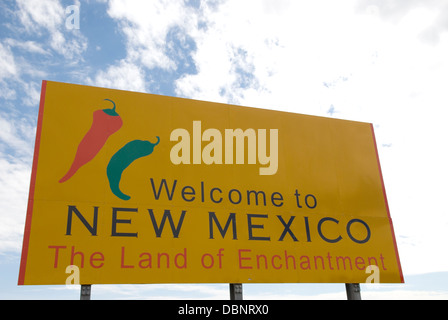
122, 159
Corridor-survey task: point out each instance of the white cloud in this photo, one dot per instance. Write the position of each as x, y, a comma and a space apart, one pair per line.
17, 135
12, 70
30, 46
6, 92
49, 15
146, 25
40, 19
287, 53
290, 53
8, 66
124, 76
32, 97
395, 11
71, 49
41, 13
225, 57
164, 292
16, 143
14, 184
8, 70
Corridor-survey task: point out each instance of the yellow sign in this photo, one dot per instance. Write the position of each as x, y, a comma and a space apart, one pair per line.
138, 188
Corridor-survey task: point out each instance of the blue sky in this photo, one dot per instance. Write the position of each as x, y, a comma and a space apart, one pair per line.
382, 62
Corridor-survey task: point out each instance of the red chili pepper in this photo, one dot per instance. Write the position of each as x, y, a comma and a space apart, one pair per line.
105, 123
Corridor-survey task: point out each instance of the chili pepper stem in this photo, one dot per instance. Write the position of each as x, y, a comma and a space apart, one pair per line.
113, 103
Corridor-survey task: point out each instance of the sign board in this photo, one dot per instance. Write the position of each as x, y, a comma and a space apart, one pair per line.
141, 188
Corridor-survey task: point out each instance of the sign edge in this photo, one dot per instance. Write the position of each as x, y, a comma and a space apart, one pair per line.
387, 206
29, 213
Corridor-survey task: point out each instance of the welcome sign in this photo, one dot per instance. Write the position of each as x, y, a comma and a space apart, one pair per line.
140, 188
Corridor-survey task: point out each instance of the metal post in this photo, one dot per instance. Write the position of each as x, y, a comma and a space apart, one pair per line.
85, 291
353, 291
236, 291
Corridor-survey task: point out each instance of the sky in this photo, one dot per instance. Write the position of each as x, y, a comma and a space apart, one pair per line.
377, 61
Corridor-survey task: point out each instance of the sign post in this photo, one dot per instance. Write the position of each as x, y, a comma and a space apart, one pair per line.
135, 188
236, 291
85, 291
353, 291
